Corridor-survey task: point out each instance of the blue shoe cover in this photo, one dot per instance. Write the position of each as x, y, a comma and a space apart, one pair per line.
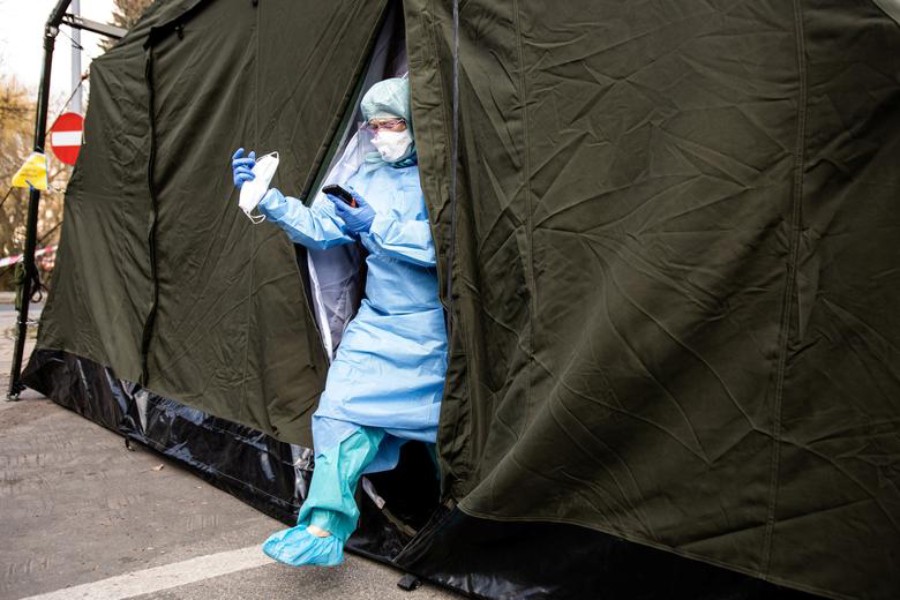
297, 547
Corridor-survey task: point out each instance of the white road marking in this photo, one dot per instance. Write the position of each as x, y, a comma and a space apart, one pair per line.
164, 577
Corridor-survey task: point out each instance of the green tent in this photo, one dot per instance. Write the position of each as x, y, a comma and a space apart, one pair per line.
672, 248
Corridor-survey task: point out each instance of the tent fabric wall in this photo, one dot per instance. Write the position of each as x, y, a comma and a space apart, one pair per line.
233, 331
676, 277
675, 263
200, 305
100, 297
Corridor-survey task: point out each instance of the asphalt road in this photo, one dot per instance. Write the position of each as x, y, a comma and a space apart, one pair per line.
82, 517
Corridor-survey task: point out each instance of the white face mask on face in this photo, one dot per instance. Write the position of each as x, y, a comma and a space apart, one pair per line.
392, 145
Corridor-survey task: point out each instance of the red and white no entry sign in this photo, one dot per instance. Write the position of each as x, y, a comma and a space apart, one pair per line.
65, 137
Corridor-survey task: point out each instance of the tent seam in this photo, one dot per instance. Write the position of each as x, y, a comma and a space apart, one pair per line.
454, 163
452, 321
243, 404
150, 321
529, 221
433, 46
795, 230
463, 469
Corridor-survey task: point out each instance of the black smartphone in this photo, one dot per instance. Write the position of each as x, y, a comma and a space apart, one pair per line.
336, 190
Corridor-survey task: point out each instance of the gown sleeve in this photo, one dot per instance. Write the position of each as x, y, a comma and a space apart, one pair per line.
317, 227
406, 240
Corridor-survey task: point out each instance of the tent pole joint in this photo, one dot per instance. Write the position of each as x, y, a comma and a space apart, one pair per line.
79, 22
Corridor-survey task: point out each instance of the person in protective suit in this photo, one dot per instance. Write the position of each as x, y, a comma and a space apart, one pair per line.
385, 384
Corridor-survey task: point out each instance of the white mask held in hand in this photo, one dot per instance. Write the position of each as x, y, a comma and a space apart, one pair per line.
253, 191
392, 145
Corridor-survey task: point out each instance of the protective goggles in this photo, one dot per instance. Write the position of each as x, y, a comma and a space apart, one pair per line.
386, 124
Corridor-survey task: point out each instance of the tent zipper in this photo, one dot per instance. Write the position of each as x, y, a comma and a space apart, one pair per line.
150, 321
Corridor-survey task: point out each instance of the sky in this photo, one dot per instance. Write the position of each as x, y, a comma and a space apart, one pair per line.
21, 42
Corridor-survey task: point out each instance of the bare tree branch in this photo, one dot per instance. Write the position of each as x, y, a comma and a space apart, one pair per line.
125, 14
17, 114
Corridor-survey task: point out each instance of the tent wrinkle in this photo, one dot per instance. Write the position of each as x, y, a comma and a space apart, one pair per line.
793, 253
891, 8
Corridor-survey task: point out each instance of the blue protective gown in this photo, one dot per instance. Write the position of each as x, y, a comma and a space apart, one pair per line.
389, 369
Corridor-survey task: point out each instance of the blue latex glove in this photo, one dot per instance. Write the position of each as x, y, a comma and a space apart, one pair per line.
242, 167
359, 219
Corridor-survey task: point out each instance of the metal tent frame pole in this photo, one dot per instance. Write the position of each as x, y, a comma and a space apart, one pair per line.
31, 280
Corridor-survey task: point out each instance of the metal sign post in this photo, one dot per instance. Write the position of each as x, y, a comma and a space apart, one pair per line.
76, 102
30, 280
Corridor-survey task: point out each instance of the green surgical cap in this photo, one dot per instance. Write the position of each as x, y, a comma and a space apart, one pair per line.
388, 98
